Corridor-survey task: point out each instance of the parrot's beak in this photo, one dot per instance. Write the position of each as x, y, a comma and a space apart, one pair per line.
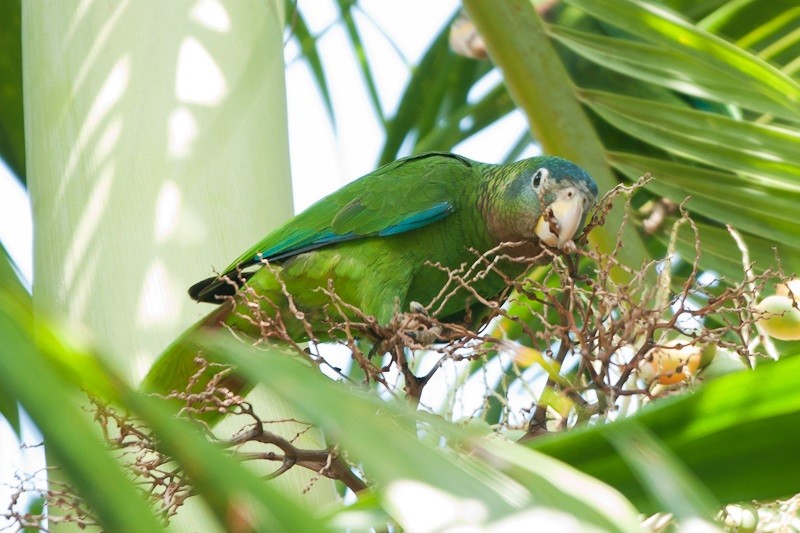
561, 218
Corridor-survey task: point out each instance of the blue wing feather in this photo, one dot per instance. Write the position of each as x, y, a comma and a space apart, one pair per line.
419, 219
297, 244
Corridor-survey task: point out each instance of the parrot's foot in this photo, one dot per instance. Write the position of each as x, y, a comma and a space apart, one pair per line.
426, 336
417, 307
569, 247
418, 328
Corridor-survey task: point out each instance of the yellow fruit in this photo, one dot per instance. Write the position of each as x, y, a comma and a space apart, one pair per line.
707, 354
671, 363
782, 289
723, 364
742, 518
778, 317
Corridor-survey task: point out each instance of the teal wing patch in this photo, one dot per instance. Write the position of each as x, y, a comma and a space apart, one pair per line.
340, 233
419, 219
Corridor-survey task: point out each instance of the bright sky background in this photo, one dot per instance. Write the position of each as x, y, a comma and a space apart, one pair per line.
321, 160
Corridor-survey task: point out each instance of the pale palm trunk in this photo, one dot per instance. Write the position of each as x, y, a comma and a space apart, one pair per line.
156, 142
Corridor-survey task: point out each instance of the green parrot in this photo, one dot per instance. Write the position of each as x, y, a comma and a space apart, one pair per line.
375, 240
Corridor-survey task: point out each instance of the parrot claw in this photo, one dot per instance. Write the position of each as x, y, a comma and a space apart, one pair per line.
569, 247
426, 337
418, 331
417, 307
417, 326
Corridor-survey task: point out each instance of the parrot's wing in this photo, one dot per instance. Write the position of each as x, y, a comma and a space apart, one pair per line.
401, 196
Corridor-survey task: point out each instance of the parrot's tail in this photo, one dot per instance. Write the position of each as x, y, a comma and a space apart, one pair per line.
177, 366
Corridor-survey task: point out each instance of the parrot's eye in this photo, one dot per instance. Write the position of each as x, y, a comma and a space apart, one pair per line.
538, 176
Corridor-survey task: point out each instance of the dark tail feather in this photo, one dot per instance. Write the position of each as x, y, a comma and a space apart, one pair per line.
215, 290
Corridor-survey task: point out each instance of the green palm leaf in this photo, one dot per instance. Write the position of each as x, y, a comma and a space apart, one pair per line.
620, 70
12, 137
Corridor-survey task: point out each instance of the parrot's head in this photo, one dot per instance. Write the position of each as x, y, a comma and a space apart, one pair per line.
547, 197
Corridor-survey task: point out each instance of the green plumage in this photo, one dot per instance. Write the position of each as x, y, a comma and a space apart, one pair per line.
374, 242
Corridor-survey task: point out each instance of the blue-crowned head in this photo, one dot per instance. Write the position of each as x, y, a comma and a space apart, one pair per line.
548, 198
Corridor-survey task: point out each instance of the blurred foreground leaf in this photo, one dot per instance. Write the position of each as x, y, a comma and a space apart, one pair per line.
737, 435
28, 375
42, 367
500, 483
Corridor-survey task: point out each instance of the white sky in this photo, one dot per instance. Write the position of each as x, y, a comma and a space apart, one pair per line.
321, 160
354, 151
